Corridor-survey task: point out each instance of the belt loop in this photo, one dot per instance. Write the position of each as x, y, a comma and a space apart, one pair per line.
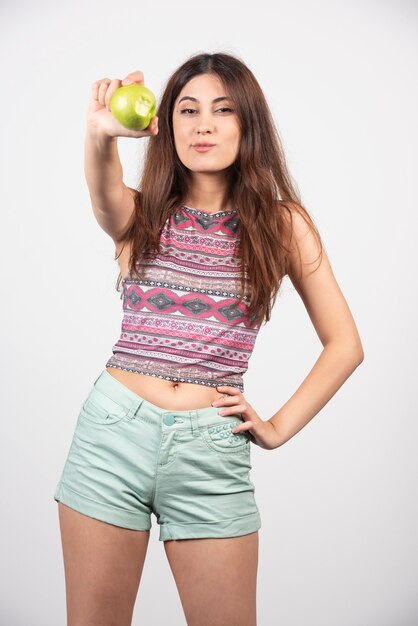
98, 378
134, 409
195, 423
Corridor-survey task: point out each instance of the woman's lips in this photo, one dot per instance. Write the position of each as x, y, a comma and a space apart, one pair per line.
202, 148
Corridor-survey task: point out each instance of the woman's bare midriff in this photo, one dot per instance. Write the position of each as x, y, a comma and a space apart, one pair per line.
166, 394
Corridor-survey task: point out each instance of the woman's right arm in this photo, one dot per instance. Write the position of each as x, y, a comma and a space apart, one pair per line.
112, 201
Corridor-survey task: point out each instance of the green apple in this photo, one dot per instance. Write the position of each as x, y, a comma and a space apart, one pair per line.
133, 106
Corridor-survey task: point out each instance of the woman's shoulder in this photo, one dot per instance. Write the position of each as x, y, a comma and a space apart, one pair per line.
295, 216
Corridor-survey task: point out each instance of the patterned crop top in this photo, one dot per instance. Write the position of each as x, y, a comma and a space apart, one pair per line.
183, 321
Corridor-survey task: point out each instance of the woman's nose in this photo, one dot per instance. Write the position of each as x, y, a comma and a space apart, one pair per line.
204, 124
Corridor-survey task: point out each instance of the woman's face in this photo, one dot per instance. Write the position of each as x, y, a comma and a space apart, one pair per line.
204, 113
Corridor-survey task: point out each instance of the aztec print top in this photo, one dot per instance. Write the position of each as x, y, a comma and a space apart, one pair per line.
183, 322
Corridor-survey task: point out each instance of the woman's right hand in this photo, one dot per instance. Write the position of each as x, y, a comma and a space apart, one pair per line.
99, 116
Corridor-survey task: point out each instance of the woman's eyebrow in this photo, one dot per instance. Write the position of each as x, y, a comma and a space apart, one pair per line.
196, 100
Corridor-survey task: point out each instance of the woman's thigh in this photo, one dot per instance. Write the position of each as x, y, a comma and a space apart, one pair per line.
216, 579
103, 565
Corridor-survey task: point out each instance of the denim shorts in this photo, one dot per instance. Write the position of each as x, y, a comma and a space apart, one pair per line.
129, 458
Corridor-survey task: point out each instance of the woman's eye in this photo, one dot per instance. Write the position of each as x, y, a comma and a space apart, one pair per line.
221, 109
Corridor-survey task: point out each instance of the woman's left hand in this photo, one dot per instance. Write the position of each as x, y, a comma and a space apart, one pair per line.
261, 432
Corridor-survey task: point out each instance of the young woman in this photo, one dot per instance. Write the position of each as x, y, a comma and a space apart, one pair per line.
202, 246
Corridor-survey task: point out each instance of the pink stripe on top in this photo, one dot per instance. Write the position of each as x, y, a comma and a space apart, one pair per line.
183, 322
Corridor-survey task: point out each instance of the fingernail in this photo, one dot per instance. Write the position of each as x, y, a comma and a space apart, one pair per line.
221, 412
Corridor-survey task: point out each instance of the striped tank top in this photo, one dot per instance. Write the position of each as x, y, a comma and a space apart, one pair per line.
183, 321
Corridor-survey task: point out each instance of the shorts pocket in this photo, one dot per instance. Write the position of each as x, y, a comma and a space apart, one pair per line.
101, 409
218, 437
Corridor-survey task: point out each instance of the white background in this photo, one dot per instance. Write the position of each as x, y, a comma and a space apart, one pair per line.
338, 543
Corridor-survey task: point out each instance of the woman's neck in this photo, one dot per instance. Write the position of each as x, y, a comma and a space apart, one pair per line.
207, 194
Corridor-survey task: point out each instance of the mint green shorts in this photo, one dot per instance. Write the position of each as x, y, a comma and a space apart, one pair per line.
129, 458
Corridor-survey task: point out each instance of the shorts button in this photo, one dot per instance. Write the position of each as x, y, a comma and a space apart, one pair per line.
169, 420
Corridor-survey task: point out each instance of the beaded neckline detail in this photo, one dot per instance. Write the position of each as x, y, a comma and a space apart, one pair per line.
208, 213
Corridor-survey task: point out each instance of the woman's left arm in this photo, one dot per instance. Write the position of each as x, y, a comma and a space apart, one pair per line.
334, 324
341, 355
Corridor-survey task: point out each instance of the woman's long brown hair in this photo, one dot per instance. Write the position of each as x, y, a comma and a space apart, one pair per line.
260, 185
